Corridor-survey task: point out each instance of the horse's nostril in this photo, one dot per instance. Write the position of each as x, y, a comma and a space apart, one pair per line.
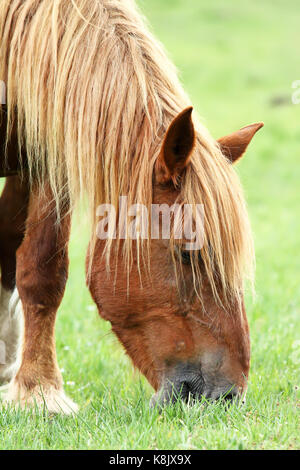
184, 391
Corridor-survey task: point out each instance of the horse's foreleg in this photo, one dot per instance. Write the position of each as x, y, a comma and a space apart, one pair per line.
13, 213
42, 267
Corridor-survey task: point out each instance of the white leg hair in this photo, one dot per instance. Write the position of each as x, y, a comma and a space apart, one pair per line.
11, 331
11, 335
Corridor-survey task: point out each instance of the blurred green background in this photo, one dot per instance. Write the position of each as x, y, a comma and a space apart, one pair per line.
237, 60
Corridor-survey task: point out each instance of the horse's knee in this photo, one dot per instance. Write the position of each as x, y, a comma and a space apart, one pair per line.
42, 259
40, 279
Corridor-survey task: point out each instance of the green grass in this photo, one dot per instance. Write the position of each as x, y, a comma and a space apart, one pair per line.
236, 59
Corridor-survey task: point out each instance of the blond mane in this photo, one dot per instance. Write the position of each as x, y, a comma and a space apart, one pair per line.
93, 94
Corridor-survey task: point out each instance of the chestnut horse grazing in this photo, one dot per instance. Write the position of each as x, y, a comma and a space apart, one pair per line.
95, 107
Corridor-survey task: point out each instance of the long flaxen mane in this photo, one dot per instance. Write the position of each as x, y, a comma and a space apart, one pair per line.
93, 94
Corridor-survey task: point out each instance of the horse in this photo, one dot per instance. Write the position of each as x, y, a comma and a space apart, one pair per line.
94, 109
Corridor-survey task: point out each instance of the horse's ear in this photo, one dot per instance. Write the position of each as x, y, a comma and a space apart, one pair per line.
234, 146
177, 148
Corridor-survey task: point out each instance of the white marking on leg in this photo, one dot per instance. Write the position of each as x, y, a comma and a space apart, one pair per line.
48, 397
40, 398
11, 330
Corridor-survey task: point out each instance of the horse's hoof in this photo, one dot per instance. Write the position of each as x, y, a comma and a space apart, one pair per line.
42, 399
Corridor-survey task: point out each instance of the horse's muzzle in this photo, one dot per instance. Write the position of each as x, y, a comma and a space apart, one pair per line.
187, 383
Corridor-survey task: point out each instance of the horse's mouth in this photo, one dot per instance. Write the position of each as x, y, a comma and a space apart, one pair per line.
169, 395
190, 385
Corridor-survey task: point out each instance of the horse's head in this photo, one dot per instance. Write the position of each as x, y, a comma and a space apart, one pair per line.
184, 325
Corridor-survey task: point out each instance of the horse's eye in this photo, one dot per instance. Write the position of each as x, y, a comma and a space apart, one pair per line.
186, 256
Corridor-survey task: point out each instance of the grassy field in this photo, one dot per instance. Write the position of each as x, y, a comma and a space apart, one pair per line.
238, 61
